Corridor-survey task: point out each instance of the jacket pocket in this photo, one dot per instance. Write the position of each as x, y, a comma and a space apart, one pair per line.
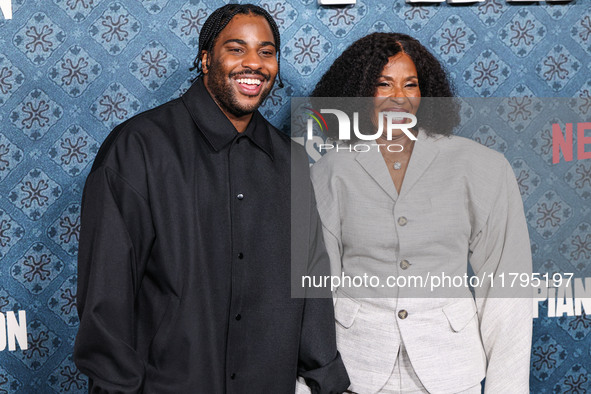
345, 310
460, 313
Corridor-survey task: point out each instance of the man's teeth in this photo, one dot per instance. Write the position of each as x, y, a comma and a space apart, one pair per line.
249, 81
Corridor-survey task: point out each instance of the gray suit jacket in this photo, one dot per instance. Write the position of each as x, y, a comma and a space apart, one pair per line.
459, 201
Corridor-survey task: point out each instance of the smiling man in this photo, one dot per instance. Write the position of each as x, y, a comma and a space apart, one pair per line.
184, 265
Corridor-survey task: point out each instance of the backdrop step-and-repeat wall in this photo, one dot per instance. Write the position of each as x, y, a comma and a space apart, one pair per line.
70, 70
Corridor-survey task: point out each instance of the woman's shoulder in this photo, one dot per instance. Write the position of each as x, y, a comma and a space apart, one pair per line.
337, 159
469, 153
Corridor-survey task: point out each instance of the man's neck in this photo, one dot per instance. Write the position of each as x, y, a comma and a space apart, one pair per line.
240, 122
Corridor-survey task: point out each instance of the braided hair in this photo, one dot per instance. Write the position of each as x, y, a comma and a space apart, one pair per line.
362, 63
218, 20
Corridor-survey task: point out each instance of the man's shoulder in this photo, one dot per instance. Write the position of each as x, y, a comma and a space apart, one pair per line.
146, 130
278, 135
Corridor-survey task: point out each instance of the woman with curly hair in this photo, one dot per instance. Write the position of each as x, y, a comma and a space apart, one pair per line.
431, 206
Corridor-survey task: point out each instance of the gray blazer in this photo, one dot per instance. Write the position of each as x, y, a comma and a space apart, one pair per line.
459, 201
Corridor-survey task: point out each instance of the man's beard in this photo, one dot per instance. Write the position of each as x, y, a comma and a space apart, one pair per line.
225, 94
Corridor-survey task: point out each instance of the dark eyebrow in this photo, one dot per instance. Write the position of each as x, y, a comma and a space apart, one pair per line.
267, 43
406, 79
242, 42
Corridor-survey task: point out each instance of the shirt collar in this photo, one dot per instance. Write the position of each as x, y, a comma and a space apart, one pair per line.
216, 127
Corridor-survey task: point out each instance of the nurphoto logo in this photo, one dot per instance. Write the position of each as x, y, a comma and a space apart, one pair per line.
387, 122
394, 121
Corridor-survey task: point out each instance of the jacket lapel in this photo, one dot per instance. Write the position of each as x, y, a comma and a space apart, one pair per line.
373, 163
423, 154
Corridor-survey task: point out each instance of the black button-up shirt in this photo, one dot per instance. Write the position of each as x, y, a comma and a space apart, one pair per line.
184, 262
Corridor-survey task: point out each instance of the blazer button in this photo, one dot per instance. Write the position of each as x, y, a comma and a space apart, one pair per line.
404, 264
402, 314
402, 221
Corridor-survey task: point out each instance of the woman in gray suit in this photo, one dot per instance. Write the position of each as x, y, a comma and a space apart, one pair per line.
429, 206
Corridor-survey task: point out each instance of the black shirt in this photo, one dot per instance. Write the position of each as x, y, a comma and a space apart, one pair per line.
184, 262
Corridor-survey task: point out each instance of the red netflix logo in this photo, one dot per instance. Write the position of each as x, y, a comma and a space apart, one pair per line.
564, 142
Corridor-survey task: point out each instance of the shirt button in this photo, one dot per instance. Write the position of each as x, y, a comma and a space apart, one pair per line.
404, 264
238, 316
233, 376
402, 221
240, 196
402, 314
240, 255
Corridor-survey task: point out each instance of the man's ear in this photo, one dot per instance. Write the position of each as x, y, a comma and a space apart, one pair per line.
204, 62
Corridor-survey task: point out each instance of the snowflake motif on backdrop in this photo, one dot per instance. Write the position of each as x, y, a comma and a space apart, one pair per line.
549, 214
276, 100
37, 268
486, 136
415, 17
10, 156
115, 105
153, 66
154, 6
187, 22
11, 78
75, 71
114, 29
556, 10
42, 344
78, 10
39, 38
582, 103
467, 113
574, 382
523, 33
36, 114
8, 383
577, 248
557, 68
578, 177
66, 378
581, 31
520, 108
35, 193
340, 21
283, 13
527, 179
74, 150
306, 49
576, 326
182, 88
541, 142
487, 73
453, 39
63, 302
490, 11
379, 27
65, 231
8, 303
10, 233
547, 356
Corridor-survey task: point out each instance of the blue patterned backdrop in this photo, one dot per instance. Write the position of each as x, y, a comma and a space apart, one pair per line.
70, 70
